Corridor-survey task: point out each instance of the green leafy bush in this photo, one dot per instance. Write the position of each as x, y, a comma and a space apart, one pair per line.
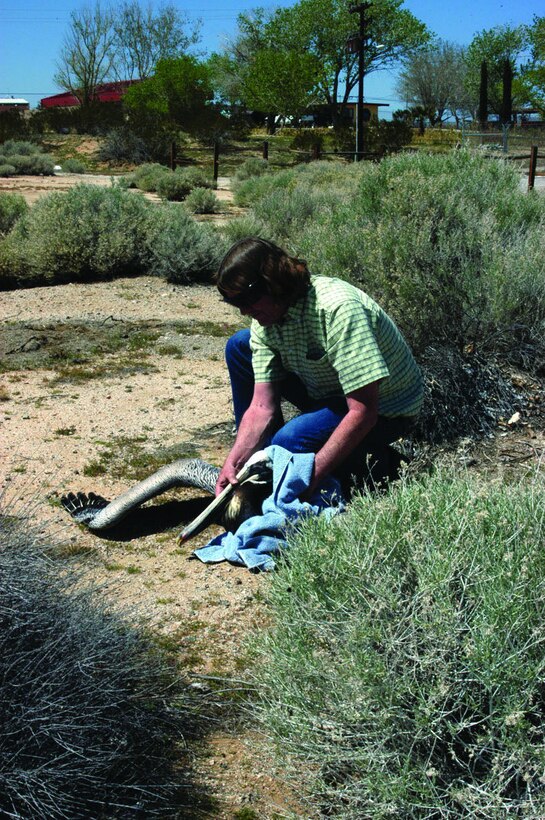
73, 166
180, 249
404, 669
7, 170
92, 711
307, 138
12, 208
202, 201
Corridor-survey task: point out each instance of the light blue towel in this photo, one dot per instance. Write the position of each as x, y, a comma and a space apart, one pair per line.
261, 537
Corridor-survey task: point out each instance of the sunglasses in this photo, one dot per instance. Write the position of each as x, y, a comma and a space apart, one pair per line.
249, 296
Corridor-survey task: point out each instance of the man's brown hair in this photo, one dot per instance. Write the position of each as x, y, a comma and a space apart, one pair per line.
254, 260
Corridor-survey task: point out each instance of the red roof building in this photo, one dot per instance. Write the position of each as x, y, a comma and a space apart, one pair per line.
107, 92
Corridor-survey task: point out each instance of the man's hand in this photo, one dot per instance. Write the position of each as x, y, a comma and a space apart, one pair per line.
228, 475
255, 430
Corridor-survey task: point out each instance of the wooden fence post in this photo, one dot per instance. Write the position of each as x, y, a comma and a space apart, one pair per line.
533, 166
266, 150
172, 159
316, 151
216, 160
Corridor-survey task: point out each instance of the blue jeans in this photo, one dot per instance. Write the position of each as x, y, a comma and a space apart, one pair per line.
369, 463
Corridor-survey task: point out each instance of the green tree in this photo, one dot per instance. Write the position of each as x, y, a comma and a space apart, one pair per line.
495, 46
533, 72
280, 81
177, 97
87, 53
320, 28
229, 69
433, 79
143, 37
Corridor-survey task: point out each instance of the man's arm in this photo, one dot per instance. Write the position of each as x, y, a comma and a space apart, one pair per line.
361, 418
256, 427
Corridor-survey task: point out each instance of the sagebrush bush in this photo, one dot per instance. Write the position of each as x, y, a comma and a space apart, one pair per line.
26, 158
87, 232
174, 186
147, 176
253, 167
426, 236
20, 147
285, 211
93, 715
404, 668
7, 170
121, 146
180, 249
202, 201
248, 191
197, 177
73, 166
96, 233
12, 208
245, 226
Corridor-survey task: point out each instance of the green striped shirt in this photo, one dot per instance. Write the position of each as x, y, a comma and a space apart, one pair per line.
337, 340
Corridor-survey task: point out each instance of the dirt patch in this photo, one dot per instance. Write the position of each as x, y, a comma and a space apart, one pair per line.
33, 188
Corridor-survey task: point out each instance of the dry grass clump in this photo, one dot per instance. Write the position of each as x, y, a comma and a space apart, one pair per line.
93, 714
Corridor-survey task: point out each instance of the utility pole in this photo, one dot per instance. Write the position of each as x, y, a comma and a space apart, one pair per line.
361, 10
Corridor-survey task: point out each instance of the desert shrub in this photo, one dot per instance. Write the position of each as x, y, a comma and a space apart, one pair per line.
202, 201
425, 236
403, 672
7, 170
464, 395
27, 158
196, 177
147, 176
180, 249
33, 164
285, 211
244, 226
253, 167
73, 166
174, 186
248, 191
122, 146
20, 147
87, 232
93, 714
12, 208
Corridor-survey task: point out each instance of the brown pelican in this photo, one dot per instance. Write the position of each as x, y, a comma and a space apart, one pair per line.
234, 504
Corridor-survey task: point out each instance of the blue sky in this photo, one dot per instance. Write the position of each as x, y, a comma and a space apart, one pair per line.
31, 34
